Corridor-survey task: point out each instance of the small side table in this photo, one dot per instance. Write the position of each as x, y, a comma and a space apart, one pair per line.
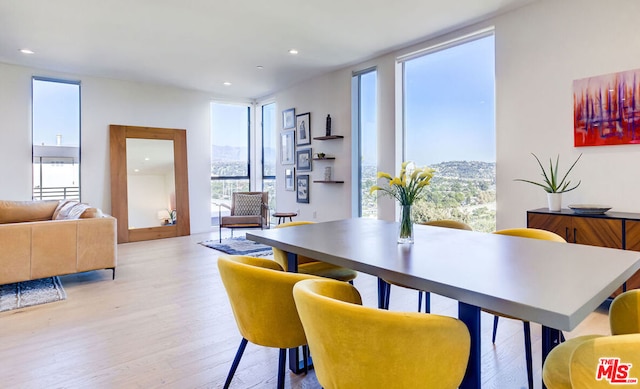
283, 215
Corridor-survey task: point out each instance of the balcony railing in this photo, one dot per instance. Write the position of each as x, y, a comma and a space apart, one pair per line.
57, 193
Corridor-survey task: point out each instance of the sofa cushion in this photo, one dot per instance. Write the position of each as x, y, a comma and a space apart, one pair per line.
26, 211
247, 204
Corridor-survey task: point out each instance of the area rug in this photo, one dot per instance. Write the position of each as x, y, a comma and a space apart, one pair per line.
29, 293
239, 246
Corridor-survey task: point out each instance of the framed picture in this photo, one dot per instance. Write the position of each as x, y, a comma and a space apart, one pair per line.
289, 118
303, 160
289, 177
302, 185
303, 129
287, 143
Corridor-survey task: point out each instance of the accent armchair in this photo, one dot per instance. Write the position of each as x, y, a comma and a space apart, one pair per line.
248, 210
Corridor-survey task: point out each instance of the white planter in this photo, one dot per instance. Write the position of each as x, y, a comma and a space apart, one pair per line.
555, 201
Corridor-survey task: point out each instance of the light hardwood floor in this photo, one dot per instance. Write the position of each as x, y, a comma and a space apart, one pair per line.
165, 322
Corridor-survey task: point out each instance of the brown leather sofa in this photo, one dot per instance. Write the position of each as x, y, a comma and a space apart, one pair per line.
49, 238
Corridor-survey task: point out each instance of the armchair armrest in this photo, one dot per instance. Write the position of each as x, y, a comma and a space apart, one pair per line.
265, 214
220, 206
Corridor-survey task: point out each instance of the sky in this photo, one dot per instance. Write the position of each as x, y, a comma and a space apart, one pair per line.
450, 104
56, 109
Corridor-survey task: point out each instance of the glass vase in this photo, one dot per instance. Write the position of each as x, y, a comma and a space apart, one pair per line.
406, 225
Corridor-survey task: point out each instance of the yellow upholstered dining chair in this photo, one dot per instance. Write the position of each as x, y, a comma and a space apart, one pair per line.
356, 347
386, 292
311, 266
572, 365
532, 233
261, 298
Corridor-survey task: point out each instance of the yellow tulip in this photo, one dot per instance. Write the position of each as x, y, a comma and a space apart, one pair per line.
384, 175
374, 188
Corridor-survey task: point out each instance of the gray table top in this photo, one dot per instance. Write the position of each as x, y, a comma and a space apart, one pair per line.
554, 284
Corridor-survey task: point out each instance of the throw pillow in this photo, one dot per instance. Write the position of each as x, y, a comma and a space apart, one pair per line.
246, 205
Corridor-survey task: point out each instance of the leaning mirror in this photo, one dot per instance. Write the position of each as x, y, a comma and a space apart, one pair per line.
149, 187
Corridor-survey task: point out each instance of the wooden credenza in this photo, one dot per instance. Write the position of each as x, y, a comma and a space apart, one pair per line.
620, 230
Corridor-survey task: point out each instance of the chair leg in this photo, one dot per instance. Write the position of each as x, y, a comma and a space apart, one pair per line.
282, 361
419, 301
387, 295
305, 358
236, 362
527, 350
220, 234
427, 302
382, 294
495, 329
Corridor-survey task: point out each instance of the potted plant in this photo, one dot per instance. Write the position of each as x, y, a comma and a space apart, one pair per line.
552, 185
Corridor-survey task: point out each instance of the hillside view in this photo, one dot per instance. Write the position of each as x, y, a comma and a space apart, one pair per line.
459, 190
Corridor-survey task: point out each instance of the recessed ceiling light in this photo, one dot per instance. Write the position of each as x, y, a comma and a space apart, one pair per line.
259, 67
293, 51
136, 170
26, 51
226, 83
146, 158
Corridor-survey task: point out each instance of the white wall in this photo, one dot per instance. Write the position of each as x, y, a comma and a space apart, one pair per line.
540, 50
105, 102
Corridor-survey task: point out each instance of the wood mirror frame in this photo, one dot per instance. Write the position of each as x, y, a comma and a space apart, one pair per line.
119, 200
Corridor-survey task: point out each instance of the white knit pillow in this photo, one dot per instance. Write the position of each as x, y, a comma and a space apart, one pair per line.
248, 204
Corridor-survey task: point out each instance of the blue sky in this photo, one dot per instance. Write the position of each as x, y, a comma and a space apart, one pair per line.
450, 105
56, 111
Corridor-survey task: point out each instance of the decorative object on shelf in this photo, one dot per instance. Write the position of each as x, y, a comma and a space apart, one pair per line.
287, 144
551, 185
289, 176
589, 209
406, 188
303, 160
302, 188
615, 122
289, 118
303, 129
328, 127
320, 155
327, 173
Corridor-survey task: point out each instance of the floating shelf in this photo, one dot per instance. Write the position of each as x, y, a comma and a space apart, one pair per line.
330, 182
329, 137
320, 159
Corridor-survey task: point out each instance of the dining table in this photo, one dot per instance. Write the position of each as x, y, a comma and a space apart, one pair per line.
554, 284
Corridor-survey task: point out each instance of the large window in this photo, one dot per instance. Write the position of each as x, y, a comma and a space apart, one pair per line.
230, 167
56, 139
269, 152
449, 124
366, 105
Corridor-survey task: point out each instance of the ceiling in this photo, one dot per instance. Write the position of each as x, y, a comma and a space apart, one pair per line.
200, 44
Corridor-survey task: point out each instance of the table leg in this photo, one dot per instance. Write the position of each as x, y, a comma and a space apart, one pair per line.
470, 315
550, 339
295, 365
383, 289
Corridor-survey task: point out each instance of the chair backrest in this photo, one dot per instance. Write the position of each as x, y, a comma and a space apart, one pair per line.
624, 313
245, 200
606, 362
261, 298
355, 346
281, 256
532, 233
449, 224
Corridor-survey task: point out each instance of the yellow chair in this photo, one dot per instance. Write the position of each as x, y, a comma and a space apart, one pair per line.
357, 347
624, 319
622, 365
386, 289
312, 266
261, 298
532, 233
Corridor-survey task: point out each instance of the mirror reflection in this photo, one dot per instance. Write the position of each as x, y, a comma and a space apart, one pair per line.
151, 192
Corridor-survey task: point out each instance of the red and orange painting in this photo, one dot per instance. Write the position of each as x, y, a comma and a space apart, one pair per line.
606, 109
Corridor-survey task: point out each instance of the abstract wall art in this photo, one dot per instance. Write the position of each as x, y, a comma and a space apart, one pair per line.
606, 109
